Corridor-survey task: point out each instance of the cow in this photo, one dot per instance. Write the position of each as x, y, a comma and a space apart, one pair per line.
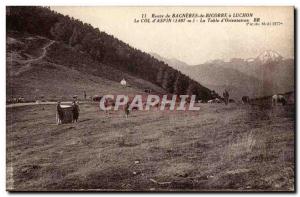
245, 99
231, 101
21, 100
216, 100
211, 101
277, 98
97, 98
148, 91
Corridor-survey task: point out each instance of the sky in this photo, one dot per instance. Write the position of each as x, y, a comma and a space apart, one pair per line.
194, 43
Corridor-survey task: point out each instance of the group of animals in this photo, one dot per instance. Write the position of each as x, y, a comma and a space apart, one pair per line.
16, 100
276, 99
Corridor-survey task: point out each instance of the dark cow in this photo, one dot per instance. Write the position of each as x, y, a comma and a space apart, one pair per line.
277, 98
245, 99
231, 101
97, 98
148, 91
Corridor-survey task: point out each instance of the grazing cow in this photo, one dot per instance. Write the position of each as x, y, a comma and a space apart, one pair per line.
231, 101
148, 91
97, 98
21, 100
216, 100
210, 101
277, 98
245, 99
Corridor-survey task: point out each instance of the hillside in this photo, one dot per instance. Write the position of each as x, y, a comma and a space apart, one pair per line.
84, 52
37, 66
219, 78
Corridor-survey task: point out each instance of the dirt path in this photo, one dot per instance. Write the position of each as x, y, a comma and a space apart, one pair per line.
29, 104
28, 63
41, 103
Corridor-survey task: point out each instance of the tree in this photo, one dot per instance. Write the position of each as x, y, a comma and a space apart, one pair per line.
101, 47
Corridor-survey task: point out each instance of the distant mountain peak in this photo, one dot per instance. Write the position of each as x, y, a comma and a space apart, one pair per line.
215, 61
269, 56
173, 62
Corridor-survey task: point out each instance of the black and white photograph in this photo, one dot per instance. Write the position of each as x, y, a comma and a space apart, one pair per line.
150, 98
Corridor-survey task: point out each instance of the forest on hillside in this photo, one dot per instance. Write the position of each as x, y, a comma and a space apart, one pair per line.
103, 48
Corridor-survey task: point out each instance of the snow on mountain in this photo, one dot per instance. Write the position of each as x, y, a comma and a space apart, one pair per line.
269, 56
268, 73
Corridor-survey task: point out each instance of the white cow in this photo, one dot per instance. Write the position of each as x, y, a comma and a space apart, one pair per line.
210, 101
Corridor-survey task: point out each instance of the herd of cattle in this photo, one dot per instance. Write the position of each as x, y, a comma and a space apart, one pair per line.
276, 99
16, 100
67, 114
283, 99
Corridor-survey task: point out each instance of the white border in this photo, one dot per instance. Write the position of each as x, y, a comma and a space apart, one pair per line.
4, 3
150, 2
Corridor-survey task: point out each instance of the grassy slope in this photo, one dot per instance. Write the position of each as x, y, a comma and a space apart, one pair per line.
62, 73
217, 148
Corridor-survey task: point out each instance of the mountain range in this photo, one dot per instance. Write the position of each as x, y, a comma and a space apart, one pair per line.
267, 74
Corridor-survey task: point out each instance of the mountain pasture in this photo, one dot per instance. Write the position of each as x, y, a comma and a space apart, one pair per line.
234, 147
